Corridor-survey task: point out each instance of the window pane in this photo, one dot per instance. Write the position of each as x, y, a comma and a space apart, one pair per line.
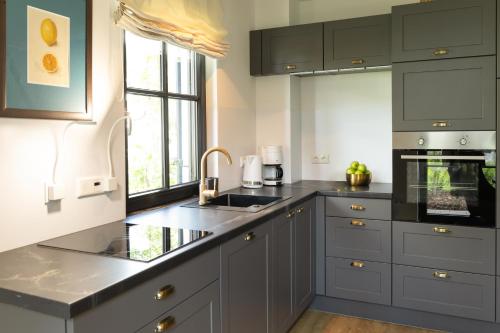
145, 148
183, 140
181, 70
143, 62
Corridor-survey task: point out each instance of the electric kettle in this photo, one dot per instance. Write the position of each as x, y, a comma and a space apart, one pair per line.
252, 171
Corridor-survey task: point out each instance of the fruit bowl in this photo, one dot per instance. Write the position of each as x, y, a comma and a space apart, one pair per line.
359, 179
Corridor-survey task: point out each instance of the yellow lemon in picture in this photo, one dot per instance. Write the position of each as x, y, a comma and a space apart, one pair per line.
48, 29
50, 63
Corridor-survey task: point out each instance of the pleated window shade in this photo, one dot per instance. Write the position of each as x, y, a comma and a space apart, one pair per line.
193, 24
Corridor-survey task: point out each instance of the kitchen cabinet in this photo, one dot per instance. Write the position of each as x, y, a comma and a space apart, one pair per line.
498, 299
246, 281
256, 53
450, 95
443, 29
358, 43
200, 314
360, 208
292, 49
358, 280
457, 248
452, 293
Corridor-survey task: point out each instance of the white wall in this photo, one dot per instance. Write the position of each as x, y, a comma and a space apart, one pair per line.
348, 117
27, 149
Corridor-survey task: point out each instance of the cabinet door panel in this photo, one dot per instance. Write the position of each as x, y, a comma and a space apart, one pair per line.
361, 42
245, 280
459, 93
292, 49
458, 294
443, 29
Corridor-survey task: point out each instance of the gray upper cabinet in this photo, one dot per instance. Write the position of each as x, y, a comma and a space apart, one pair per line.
246, 282
292, 49
443, 29
453, 94
457, 248
358, 43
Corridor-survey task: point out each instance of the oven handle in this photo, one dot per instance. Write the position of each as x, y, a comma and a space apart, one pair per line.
426, 157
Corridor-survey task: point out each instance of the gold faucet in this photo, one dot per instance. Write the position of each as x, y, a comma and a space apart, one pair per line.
204, 193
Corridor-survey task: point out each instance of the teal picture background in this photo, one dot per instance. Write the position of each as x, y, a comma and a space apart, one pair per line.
20, 94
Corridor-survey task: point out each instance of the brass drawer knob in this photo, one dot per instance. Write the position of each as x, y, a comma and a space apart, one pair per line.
357, 264
440, 124
164, 293
165, 324
358, 223
290, 67
300, 210
440, 52
358, 208
357, 61
441, 230
441, 275
250, 236
290, 214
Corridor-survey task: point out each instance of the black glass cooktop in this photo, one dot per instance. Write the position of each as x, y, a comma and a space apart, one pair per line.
128, 241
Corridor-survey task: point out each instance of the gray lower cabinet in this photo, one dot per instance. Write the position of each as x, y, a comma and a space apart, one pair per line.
358, 43
292, 49
200, 313
358, 280
246, 282
358, 238
453, 95
457, 248
376, 209
447, 292
443, 29
498, 299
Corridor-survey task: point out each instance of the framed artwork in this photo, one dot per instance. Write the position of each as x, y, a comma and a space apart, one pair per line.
46, 59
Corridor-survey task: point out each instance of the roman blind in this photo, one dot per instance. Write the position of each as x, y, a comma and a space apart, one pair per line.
194, 24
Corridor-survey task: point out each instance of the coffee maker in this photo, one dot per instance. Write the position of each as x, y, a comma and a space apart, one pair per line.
272, 159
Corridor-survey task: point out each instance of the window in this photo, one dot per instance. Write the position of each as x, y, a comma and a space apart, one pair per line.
165, 97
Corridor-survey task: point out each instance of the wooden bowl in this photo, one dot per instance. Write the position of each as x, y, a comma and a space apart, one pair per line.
359, 180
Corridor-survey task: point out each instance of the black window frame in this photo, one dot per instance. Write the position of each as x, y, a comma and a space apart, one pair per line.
166, 195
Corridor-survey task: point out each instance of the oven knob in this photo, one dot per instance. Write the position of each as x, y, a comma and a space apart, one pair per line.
463, 141
421, 141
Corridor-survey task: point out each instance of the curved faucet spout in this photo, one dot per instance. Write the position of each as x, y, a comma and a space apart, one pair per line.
204, 194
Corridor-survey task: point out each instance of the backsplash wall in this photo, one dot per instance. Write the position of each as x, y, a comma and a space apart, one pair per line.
349, 118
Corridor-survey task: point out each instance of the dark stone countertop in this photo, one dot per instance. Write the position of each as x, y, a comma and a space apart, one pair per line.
66, 283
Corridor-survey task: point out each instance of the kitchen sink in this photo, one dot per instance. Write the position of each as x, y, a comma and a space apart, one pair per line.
239, 202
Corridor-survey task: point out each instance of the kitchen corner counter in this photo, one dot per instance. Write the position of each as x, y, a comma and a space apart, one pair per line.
64, 283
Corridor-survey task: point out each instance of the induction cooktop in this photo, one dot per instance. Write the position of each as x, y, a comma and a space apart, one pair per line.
137, 242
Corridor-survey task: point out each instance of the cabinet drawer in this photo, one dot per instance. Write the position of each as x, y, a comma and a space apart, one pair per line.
446, 247
376, 209
459, 94
443, 29
356, 238
292, 49
458, 294
358, 43
358, 280
200, 313
186, 279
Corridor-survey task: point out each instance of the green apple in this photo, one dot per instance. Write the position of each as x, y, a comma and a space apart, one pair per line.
368, 172
362, 168
350, 171
354, 165
359, 172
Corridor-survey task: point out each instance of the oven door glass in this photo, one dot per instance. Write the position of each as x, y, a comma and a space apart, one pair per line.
452, 187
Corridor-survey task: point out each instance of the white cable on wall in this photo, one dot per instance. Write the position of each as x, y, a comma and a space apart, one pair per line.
128, 119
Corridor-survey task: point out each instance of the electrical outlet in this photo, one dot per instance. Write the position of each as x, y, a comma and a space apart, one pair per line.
91, 186
321, 159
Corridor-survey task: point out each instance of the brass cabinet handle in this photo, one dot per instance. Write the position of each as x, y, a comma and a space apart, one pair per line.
441, 230
164, 292
440, 52
290, 214
358, 208
250, 236
441, 275
300, 210
165, 324
290, 67
440, 124
358, 223
357, 264
357, 61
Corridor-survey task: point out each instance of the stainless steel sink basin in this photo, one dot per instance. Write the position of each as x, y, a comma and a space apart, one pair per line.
239, 202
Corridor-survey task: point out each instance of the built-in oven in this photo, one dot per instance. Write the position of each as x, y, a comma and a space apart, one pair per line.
445, 178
